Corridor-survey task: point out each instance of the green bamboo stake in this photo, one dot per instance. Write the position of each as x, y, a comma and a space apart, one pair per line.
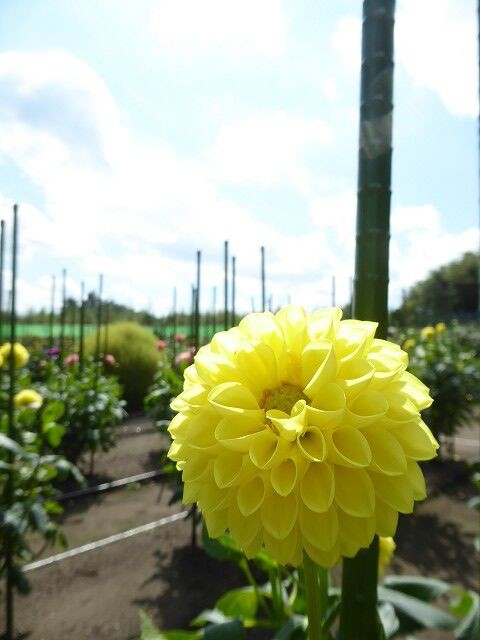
234, 275
82, 327
52, 313
262, 275
359, 618
2, 251
9, 489
225, 319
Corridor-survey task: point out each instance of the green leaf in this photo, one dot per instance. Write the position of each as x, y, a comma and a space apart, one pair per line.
150, 632
11, 445
20, 581
265, 562
238, 603
232, 630
388, 618
39, 517
54, 433
293, 629
424, 615
222, 548
426, 589
52, 412
208, 615
469, 627
474, 502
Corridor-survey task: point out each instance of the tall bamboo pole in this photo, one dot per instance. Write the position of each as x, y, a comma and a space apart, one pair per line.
62, 315
82, 326
225, 287
52, 313
9, 489
2, 251
99, 317
359, 619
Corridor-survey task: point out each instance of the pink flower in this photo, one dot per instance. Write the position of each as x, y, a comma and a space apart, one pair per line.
161, 345
184, 358
179, 337
110, 359
71, 359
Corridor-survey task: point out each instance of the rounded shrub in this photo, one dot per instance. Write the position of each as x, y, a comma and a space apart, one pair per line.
134, 349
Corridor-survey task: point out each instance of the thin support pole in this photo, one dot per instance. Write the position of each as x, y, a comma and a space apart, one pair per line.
107, 322
225, 318
62, 316
174, 321
82, 327
99, 316
234, 275
2, 252
52, 313
214, 311
9, 489
262, 275
333, 291
197, 304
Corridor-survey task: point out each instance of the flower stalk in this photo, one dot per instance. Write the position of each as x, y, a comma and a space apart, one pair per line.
316, 595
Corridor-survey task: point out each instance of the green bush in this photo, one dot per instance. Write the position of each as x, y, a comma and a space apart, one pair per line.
134, 349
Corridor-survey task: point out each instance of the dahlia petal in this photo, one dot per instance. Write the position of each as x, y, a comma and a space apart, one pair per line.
389, 349
212, 498
226, 343
258, 372
387, 454
354, 492
175, 451
312, 444
234, 398
201, 430
195, 467
387, 369
251, 550
250, 496
328, 407
286, 426
349, 342
386, 518
324, 374
216, 522
313, 357
396, 491
244, 530
417, 480
284, 476
178, 426
324, 323
282, 550
320, 529
368, 407
195, 395
348, 447
266, 449
191, 375
227, 469
325, 559
293, 322
262, 327
354, 376
416, 439
400, 409
235, 432
317, 488
213, 369
418, 393
354, 533
279, 514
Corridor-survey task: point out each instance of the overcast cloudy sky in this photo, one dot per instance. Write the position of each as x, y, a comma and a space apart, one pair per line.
133, 133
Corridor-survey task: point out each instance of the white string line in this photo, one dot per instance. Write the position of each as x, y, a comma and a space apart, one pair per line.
144, 528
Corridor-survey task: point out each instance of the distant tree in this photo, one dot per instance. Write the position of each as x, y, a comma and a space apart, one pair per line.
448, 292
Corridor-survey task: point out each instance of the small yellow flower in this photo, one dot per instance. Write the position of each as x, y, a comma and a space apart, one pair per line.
386, 550
408, 344
427, 332
302, 433
20, 354
28, 398
440, 327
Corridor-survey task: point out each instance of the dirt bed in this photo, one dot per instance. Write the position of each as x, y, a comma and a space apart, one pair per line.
99, 594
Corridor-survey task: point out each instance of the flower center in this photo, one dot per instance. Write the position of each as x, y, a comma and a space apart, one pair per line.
282, 398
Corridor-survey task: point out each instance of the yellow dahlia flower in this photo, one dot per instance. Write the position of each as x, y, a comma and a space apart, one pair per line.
409, 344
28, 398
20, 354
301, 432
386, 549
427, 332
440, 327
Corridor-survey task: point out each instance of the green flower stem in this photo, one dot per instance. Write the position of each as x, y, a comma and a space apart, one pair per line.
316, 592
260, 598
358, 615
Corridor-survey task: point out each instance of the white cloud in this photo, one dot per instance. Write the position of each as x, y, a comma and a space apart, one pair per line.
436, 44
266, 149
239, 28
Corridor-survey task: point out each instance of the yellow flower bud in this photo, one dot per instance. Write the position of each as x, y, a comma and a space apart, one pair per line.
386, 549
301, 432
28, 398
440, 327
409, 344
427, 332
20, 354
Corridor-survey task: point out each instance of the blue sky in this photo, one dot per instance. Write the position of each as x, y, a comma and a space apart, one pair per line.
134, 133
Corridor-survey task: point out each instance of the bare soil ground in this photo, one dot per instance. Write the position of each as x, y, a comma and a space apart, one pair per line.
99, 594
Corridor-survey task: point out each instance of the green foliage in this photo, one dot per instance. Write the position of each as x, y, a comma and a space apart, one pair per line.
167, 384
27, 495
93, 408
134, 348
447, 362
450, 291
